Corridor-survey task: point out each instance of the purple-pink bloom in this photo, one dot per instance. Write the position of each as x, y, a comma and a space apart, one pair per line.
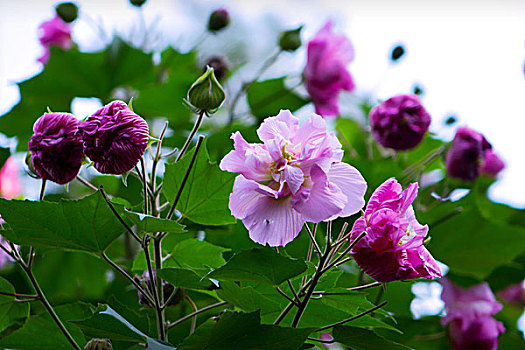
295, 175
325, 73
56, 147
9, 181
392, 248
54, 32
469, 316
514, 294
115, 138
471, 154
399, 122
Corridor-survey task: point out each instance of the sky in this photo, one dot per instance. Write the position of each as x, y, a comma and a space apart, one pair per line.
468, 56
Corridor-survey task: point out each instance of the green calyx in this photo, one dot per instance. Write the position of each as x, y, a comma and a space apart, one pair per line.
206, 94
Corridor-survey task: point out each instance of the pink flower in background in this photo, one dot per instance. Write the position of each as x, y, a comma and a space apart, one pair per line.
471, 154
56, 147
400, 122
513, 294
325, 73
115, 138
469, 316
295, 176
9, 182
392, 248
57, 33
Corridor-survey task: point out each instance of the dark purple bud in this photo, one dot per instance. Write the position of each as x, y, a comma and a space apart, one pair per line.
99, 344
219, 19
400, 122
220, 66
137, 3
68, 11
418, 90
56, 147
466, 155
397, 53
451, 120
115, 138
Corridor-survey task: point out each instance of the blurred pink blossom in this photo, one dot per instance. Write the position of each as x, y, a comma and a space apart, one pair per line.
513, 294
295, 176
54, 32
469, 316
325, 73
392, 248
9, 181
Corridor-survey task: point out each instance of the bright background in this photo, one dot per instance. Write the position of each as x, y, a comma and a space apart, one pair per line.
466, 55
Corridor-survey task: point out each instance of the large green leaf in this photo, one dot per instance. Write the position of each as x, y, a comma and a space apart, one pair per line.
261, 265
195, 254
205, 196
4, 154
244, 331
86, 224
247, 298
10, 310
70, 74
148, 223
363, 339
267, 98
185, 278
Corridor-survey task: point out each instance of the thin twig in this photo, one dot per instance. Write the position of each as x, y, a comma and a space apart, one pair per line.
194, 318
293, 290
180, 320
354, 317
18, 295
312, 237
196, 127
286, 296
86, 183
342, 255
126, 226
321, 340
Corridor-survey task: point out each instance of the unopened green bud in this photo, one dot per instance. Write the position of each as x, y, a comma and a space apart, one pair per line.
206, 94
219, 19
290, 40
137, 3
68, 11
98, 344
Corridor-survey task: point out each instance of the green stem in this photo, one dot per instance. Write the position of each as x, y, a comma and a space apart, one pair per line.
173, 324
161, 317
196, 127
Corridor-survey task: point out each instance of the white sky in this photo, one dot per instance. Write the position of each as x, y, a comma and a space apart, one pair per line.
467, 55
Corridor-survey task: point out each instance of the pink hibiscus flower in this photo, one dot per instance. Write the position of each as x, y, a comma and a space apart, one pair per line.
392, 248
295, 176
54, 32
325, 73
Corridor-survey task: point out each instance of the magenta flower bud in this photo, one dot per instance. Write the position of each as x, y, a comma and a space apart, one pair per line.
219, 19
471, 154
400, 122
56, 147
469, 316
220, 66
57, 33
513, 294
115, 138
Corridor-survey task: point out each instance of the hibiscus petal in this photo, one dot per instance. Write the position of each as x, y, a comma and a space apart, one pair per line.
273, 221
243, 196
324, 199
385, 196
420, 230
284, 124
408, 196
294, 178
352, 184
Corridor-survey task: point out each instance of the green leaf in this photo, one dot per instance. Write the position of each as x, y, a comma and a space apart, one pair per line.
4, 154
259, 264
244, 331
247, 299
86, 224
185, 278
267, 98
148, 223
10, 310
41, 332
363, 339
205, 196
195, 254
352, 137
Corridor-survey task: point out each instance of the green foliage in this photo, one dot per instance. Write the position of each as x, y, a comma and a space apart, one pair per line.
10, 310
86, 224
4, 154
363, 339
204, 198
184, 278
148, 223
261, 265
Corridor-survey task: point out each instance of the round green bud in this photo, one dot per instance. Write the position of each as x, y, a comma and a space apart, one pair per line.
206, 94
290, 40
67, 11
137, 3
219, 19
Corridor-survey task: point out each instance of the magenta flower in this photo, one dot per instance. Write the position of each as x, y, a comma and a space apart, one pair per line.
513, 294
469, 315
9, 182
115, 138
400, 122
392, 248
57, 33
470, 154
325, 73
56, 147
295, 176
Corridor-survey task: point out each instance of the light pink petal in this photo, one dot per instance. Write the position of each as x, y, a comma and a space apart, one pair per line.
352, 184
387, 195
294, 178
284, 124
420, 230
243, 196
273, 221
310, 131
322, 200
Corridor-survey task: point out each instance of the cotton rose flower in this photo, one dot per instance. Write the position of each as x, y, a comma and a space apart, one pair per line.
9, 181
325, 73
469, 316
400, 122
57, 33
115, 138
471, 154
295, 175
514, 294
392, 248
56, 147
